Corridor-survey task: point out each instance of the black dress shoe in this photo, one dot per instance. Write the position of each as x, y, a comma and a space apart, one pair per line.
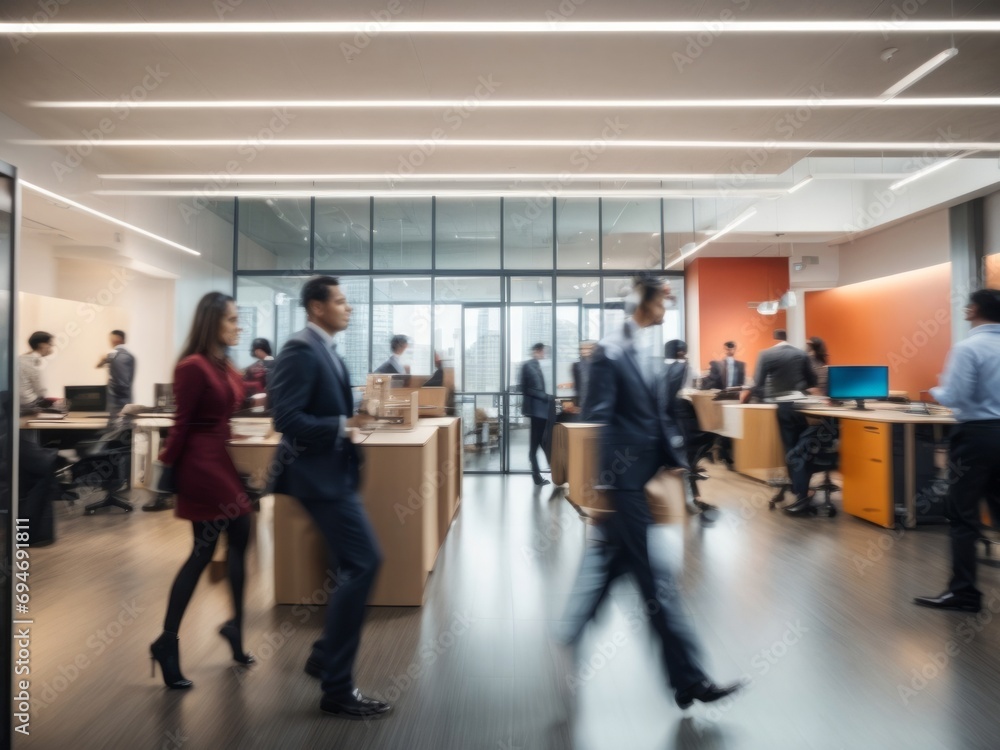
803, 507
948, 600
706, 692
314, 667
542, 482
353, 706
160, 502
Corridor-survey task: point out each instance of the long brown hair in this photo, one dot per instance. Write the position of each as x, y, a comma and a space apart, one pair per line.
204, 336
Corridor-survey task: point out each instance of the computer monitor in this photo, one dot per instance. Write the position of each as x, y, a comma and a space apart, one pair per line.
87, 397
858, 382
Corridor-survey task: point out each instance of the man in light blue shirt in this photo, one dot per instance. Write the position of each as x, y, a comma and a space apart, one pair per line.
971, 387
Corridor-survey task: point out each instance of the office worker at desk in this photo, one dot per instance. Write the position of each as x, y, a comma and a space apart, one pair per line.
208, 390
970, 386
628, 397
782, 369
820, 361
395, 364
31, 389
121, 372
311, 399
727, 372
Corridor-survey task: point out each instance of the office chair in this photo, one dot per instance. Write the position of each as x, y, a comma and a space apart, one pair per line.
818, 446
105, 464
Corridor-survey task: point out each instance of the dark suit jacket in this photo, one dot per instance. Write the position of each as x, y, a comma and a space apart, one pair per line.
535, 402
309, 396
581, 381
781, 370
718, 376
387, 368
639, 435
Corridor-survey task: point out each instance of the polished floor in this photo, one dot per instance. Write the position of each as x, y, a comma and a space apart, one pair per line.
815, 613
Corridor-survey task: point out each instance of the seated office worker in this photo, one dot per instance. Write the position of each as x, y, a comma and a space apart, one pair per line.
538, 405
31, 390
627, 397
727, 372
121, 373
971, 387
782, 369
395, 363
310, 395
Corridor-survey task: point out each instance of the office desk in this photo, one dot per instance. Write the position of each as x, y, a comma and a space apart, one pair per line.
866, 459
75, 420
451, 468
757, 449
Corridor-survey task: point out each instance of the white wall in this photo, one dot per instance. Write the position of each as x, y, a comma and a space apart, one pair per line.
908, 246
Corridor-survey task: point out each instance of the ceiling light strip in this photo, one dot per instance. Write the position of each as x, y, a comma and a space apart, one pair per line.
465, 193
926, 171
923, 71
941, 26
518, 143
749, 213
465, 177
816, 102
105, 217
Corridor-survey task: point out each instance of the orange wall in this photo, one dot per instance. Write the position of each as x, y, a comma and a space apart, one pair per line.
993, 271
723, 287
903, 321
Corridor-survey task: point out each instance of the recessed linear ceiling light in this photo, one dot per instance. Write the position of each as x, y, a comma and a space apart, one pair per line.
105, 217
800, 184
925, 171
465, 177
750, 212
520, 143
926, 69
424, 193
812, 102
507, 27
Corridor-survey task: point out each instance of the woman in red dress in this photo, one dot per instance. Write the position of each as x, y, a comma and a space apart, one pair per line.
207, 389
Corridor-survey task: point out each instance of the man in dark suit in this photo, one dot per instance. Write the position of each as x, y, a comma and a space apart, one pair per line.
727, 372
121, 372
394, 365
782, 369
310, 395
538, 405
628, 395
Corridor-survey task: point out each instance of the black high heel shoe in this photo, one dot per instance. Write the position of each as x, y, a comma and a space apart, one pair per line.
166, 651
231, 633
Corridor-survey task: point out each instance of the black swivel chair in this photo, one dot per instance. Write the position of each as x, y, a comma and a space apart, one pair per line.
817, 445
105, 464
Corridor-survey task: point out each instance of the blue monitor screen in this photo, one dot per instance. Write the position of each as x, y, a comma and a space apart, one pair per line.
859, 382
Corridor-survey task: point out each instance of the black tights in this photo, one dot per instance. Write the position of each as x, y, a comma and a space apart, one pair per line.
206, 535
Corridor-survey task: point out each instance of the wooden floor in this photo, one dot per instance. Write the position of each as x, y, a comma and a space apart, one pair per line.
814, 612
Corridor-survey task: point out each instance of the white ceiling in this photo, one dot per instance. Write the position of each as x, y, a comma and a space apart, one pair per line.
529, 67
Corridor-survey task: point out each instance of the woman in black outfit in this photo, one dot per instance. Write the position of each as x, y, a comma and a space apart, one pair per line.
208, 389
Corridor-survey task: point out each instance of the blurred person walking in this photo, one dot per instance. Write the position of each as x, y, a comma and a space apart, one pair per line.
208, 389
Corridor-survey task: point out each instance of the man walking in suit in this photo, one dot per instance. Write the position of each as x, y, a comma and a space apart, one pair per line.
628, 395
727, 372
121, 373
310, 395
782, 369
394, 365
537, 404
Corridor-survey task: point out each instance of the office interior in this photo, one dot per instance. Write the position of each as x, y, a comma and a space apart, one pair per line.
478, 192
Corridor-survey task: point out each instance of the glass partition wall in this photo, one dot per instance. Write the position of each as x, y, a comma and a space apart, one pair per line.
476, 281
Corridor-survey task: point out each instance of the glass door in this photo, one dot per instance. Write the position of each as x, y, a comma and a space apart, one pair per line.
479, 387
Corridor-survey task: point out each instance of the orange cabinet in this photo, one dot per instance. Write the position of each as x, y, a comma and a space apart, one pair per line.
866, 469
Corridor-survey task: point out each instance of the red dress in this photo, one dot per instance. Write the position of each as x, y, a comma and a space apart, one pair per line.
208, 487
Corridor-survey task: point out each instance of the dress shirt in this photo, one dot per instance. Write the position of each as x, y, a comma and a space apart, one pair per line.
397, 363
970, 385
642, 345
331, 347
730, 372
29, 373
546, 376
